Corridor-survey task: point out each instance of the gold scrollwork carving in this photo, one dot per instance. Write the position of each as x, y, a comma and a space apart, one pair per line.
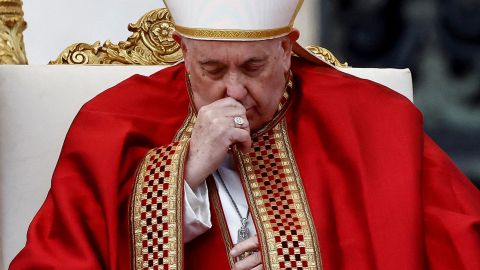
326, 55
12, 25
150, 44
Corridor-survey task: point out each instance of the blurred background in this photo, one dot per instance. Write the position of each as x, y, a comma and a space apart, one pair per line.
439, 40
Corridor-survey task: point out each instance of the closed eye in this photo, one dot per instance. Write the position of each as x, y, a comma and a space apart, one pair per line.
214, 71
213, 68
254, 65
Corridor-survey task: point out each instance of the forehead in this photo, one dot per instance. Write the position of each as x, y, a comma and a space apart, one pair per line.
223, 50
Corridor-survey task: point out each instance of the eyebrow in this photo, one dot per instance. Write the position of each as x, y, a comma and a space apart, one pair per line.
254, 60
210, 63
248, 61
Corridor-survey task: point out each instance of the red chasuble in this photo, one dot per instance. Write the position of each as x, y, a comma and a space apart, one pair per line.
342, 178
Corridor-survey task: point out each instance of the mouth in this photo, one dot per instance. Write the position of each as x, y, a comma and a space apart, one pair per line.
250, 108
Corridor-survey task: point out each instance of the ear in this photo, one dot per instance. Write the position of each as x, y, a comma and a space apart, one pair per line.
289, 40
181, 41
287, 46
177, 37
294, 35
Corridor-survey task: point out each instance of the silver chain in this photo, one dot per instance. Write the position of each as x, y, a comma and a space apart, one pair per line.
242, 219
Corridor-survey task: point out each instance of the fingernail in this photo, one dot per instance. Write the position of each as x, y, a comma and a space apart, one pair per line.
233, 252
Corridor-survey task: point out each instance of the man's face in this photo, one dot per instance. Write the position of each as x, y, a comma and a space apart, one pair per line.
253, 73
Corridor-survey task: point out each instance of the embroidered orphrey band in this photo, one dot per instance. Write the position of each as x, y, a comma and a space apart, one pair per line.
278, 203
157, 236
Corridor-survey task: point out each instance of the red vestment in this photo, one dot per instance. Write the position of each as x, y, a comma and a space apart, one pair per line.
382, 195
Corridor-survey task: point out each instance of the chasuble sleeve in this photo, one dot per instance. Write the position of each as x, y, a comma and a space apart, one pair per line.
452, 213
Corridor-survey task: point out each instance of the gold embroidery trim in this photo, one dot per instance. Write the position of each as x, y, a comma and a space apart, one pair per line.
135, 221
185, 130
149, 250
232, 34
285, 144
267, 236
174, 247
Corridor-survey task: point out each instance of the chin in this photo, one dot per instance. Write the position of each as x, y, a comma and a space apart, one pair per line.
256, 120
256, 124
253, 120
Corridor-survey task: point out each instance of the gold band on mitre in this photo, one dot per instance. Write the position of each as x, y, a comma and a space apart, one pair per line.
232, 34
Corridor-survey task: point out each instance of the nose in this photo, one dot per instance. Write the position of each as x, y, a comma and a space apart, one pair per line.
235, 86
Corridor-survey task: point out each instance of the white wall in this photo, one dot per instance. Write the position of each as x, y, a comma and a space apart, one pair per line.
308, 22
55, 24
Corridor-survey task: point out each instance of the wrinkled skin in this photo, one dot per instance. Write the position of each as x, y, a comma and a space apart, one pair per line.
229, 79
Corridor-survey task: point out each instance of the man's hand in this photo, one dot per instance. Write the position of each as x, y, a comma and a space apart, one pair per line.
253, 261
214, 132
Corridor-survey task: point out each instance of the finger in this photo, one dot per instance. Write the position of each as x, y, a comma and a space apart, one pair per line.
245, 147
209, 113
229, 111
249, 262
236, 110
245, 125
245, 144
211, 116
241, 138
223, 130
226, 102
248, 245
258, 267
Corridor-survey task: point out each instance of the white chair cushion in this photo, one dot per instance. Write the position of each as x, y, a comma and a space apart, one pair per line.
37, 105
399, 80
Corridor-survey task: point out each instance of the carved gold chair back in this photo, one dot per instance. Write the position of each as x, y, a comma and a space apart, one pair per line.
150, 44
12, 25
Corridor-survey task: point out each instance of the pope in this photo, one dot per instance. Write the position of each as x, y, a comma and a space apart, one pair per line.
246, 156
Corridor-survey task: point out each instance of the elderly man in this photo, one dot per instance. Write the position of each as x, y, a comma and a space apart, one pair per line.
276, 162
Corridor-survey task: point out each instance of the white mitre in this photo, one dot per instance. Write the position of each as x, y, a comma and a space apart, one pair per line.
237, 20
